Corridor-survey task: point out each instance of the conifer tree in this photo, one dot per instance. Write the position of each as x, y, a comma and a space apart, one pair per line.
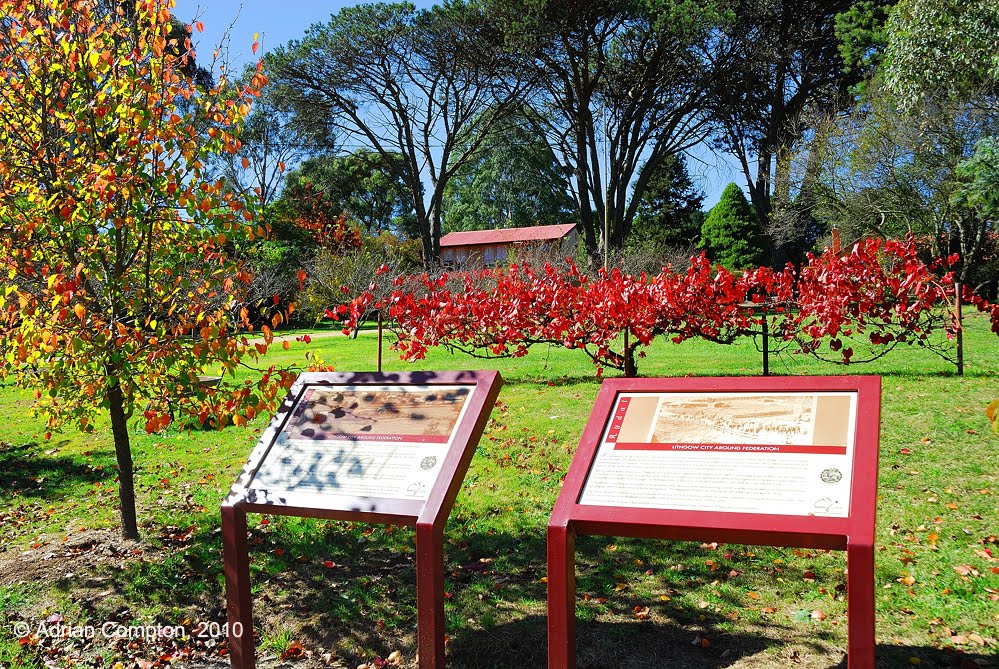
732, 235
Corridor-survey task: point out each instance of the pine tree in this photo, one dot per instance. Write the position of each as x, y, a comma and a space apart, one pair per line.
732, 235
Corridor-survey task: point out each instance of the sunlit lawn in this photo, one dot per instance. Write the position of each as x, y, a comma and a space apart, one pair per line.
728, 606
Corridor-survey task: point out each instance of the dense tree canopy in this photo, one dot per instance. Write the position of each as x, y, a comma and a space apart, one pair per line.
669, 212
366, 187
513, 181
425, 86
618, 87
789, 67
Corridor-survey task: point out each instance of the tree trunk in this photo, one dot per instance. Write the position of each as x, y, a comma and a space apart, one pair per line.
123, 451
630, 366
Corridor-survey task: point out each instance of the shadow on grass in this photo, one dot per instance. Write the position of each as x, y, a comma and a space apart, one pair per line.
350, 589
523, 644
26, 470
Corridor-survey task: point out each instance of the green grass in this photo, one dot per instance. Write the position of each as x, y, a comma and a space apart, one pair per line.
346, 590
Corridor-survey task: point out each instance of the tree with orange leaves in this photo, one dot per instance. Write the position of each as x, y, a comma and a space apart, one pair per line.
118, 292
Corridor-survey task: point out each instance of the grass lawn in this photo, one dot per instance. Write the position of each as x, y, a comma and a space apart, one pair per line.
339, 594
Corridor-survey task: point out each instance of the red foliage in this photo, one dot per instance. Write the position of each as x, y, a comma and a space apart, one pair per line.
317, 214
880, 292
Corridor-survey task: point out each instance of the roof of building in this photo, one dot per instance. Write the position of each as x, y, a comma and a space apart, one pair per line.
534, 233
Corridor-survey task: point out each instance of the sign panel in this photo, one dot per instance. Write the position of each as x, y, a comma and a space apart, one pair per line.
788, 453
370, 447
364, 441
789, 461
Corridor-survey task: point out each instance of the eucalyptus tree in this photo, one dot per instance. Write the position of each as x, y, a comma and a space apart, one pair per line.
790, 67
424, 85
620, 85
514, 180
367, 186
939, 50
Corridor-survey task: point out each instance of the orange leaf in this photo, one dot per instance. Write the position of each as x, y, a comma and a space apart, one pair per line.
256, 45
246, 162
80, 311
199, 26
753, 595
285, 345
992, 413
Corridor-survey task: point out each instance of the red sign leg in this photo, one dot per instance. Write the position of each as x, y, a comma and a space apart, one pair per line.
561, 597
237, 587
430, 595
860, 606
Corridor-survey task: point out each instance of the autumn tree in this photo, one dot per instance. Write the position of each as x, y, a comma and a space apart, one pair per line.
118, 292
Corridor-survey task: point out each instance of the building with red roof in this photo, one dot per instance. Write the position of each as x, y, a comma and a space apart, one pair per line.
486, 248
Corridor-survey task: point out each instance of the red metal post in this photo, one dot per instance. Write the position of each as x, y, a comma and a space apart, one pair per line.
239, 606
430, 595
561, 596
860, 605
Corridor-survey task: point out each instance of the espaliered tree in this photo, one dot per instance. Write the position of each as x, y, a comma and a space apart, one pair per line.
118, 291
876, 298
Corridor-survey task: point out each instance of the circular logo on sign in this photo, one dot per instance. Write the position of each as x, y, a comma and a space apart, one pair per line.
428, 463
831, 475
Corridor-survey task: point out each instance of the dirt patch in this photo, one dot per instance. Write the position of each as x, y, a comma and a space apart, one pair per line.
80, 553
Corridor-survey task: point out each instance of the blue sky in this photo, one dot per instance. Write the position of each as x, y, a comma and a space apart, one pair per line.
278, 21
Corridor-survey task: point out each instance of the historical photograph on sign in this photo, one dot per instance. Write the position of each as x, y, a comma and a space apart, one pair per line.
782, 453
364, 442
752, 419
396, 414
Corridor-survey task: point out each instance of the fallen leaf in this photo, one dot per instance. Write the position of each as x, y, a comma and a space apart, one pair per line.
293, 652
818, 615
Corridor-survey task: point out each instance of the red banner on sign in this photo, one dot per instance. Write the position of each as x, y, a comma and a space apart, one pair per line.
732, 448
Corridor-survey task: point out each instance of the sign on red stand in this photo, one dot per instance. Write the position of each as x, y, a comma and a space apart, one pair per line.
378, 448
766, 461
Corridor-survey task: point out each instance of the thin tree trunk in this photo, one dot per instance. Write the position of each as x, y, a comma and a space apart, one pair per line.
123, 452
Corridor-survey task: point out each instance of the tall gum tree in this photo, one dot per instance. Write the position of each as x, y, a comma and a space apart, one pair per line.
424, 85
619, 87
789, 67
118, 292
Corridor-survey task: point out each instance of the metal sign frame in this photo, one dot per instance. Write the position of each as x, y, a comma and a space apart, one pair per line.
428, 517
853, 533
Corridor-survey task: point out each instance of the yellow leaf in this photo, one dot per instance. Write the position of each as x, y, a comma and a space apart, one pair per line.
992, 413
80, 311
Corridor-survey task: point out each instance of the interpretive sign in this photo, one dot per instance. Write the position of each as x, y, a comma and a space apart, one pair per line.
357, 444
388, 448
771, 461
776, 452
